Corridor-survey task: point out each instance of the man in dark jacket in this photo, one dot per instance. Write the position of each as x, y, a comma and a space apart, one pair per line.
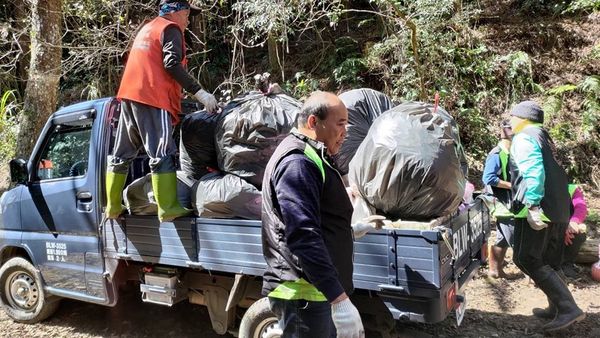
307, 236
540, 203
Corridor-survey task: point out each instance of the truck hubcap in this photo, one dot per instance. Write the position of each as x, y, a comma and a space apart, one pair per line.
269, 328
22, 291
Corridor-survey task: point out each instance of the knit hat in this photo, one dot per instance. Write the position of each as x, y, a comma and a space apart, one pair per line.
528, 110
172, 6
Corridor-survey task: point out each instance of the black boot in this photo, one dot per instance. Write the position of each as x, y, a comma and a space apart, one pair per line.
547, 313
567, 310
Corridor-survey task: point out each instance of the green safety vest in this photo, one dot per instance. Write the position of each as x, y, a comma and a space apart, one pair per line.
499, 209
523, 212
572, 188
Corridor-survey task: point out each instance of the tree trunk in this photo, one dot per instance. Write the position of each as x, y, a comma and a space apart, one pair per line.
274, 58
41, 91
22, 19
588, 252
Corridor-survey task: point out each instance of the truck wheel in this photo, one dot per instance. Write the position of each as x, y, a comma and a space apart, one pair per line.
260, 322
22, 295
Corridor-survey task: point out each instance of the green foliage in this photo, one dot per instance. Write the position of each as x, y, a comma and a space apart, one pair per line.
553, 102
301, 85
590, 88
9, 109
347, 73
519, 74
593, 219
583, 6
557, 7
260, 19
347, 63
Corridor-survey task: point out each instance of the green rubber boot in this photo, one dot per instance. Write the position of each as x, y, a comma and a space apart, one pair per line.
164, 186
115, 183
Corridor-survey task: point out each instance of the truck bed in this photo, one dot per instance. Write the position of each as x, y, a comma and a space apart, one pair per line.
414, 261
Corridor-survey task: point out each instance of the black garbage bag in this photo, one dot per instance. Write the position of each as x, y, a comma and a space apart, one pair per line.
197, 150
409, 165
364, 106
226, 196
139, 197
249, 129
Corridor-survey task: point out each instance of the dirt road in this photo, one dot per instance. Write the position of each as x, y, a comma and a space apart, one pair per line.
495, 309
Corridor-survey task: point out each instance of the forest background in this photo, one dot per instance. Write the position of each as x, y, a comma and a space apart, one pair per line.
480, 56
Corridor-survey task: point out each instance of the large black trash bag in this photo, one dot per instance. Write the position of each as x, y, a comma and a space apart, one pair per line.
197, 150
409, 165
364, 106
249, 129
228, 196
139, 196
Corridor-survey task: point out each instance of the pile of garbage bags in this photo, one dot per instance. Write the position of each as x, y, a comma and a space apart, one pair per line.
223, 157
405, 162
411, 164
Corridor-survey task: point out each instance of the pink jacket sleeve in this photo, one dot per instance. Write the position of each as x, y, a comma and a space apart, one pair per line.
579, 207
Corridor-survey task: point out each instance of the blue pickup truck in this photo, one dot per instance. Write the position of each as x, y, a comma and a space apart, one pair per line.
55, 244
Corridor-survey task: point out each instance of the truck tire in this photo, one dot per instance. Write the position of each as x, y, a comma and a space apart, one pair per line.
259, 321
22, 294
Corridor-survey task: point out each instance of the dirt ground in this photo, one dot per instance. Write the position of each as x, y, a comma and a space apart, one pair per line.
502, 308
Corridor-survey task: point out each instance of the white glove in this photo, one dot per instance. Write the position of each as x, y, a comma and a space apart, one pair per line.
274, 89
347, 320
207, 99
534, 218
367, 224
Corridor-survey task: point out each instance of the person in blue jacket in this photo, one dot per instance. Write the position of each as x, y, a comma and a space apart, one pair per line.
541, 205
496, 177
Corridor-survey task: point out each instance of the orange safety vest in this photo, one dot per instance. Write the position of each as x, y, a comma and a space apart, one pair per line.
145, 79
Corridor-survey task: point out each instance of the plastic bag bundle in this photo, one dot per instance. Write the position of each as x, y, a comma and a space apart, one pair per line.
226, 196
364, 106
139, 197
249, 129
409, 166
197, 143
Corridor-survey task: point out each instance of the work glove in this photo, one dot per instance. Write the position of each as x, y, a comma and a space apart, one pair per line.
347, 320
572, 230
207, 99
534, 218
274, 89
367, 224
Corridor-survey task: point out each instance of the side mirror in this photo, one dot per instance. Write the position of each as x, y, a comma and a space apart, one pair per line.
18, 171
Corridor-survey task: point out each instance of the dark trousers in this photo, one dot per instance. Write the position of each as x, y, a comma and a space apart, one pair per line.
143, 128
303, 319
505, 232
556, 245
529, 250
571, 251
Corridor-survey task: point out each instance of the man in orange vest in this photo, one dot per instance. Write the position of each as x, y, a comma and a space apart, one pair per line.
150, 94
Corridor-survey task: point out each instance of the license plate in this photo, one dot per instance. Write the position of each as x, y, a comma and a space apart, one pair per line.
465, 236
461, 307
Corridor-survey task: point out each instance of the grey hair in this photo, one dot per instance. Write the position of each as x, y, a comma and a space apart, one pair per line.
318, 108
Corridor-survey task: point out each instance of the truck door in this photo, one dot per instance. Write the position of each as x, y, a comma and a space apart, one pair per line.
58, 211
